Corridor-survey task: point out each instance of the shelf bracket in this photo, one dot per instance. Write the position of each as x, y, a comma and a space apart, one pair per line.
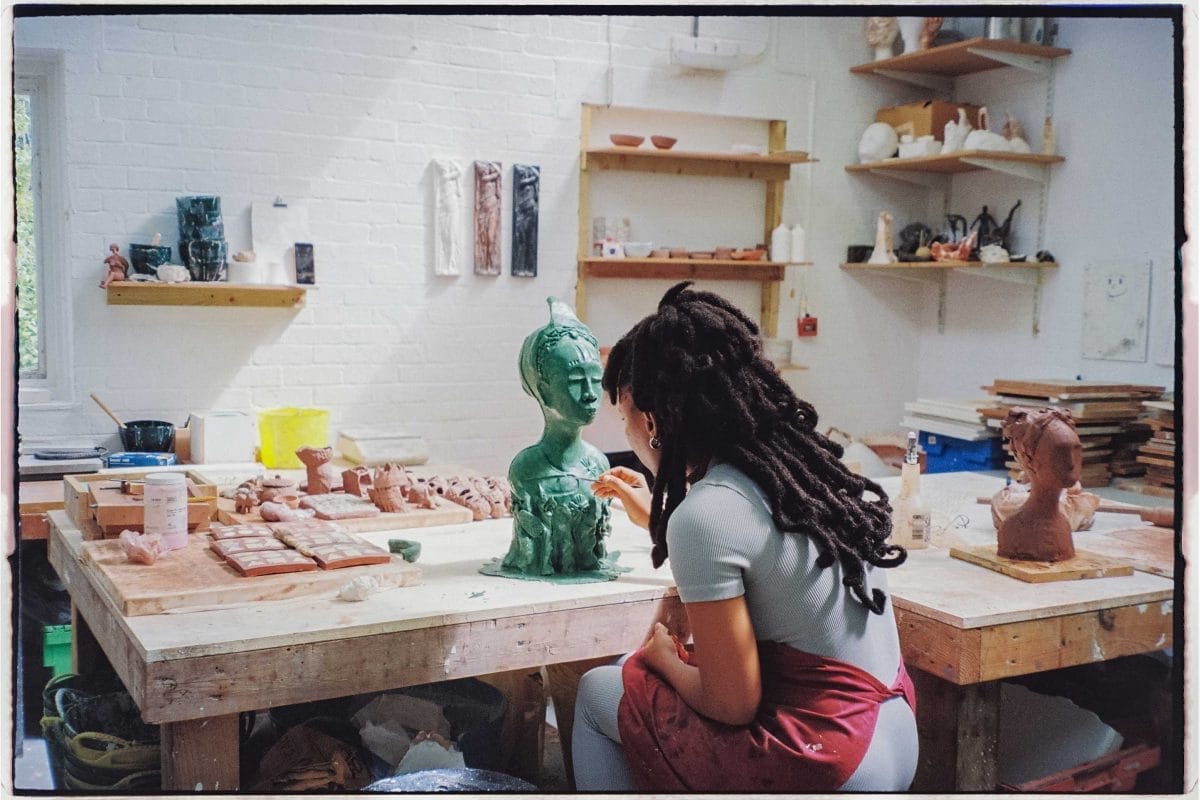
1038, 173
926, 179
941, 312
1034, 64
935, 82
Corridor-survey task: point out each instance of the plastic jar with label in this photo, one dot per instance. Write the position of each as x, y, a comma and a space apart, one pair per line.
166, 508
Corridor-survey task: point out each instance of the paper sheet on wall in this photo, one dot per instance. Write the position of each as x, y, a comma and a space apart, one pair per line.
1116, 310
274, 231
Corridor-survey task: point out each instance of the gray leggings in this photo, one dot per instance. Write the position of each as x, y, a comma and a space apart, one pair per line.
600, 763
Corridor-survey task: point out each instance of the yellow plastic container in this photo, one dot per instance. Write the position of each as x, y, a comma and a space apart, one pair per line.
281, 431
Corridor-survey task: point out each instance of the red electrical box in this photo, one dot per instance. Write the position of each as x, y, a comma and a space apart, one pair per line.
806, 326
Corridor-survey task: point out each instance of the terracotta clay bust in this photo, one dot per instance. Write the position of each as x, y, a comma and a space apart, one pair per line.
1047, 447
1078, 506
322, 476
559, 525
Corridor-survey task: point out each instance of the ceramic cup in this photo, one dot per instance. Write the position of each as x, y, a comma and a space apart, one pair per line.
147, 258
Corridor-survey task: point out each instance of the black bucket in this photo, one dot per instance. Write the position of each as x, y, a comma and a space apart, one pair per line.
148, 436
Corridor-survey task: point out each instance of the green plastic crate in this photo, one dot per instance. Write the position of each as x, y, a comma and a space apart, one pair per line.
56, 649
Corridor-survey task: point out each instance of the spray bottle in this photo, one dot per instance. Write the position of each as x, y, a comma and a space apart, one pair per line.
910, 512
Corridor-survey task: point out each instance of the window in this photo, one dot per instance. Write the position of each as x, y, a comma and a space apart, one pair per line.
43, 301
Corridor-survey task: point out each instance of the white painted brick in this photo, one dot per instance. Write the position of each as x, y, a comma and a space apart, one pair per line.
126, 64
151, 133
150, 88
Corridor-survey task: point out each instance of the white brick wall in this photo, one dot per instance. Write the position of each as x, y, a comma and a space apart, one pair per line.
343, 113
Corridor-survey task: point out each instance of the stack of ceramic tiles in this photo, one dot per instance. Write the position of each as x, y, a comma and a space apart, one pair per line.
957, 418
1101, 411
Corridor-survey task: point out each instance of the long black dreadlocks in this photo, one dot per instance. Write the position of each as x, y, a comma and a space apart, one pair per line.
697, 365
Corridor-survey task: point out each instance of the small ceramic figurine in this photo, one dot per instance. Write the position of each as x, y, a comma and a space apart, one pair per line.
322, 476
982, 138
388, 488
954, 134
883, 252
559, 524
929, 30
1047, 447
956, 251
244, 500
910, 32
273, 486
881, 34
1015, 134
356, 481
115, 266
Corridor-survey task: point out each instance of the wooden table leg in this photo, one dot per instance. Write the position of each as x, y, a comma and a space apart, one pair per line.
201, 755
87, 657
564, 685
959, 729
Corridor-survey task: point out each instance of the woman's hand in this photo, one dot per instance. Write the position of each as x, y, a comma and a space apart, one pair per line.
663, 651
628, 486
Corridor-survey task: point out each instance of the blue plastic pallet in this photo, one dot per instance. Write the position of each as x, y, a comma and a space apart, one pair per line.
947, 454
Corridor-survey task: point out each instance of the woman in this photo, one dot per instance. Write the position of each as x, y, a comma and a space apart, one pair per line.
796, 681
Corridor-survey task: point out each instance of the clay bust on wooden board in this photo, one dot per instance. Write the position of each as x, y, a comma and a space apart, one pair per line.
1047, 447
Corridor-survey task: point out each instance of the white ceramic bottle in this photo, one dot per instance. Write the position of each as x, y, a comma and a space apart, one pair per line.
781, 241
166, 508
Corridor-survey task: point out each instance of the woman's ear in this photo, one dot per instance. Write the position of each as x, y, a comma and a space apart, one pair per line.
651, 426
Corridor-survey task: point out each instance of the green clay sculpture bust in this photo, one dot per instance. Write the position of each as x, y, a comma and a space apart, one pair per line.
559, 525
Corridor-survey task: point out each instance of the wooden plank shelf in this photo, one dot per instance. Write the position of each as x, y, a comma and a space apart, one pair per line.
686, 268
956, 162
772, 166
206, 293
936, 265
957, 59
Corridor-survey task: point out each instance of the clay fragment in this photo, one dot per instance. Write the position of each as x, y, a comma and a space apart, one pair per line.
141, 548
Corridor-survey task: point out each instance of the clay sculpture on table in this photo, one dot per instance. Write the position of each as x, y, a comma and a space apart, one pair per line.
322, 476
559, 525
1047, 447
357, 481
1078, 506
276, 485
389, 488
282, 512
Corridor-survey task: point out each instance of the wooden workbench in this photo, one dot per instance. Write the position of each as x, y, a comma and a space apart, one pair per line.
962, 628
193, 673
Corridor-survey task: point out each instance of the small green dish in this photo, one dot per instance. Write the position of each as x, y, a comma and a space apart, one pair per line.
410, 551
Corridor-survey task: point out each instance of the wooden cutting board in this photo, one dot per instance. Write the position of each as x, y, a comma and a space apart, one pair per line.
446, 513
1083, 565
195, 578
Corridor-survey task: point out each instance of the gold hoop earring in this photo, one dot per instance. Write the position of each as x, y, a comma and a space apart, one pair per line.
655, 443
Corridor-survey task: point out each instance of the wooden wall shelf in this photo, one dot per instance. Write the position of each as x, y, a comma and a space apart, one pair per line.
685, 269
958, 161
961, 58
215, 293
936, 265
773, 166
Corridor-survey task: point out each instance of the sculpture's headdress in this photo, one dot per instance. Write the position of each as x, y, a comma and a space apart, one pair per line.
563, 324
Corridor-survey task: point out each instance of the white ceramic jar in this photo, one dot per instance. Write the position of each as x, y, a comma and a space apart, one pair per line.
166, 508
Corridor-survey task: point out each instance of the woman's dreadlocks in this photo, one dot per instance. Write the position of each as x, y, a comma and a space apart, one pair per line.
697, 365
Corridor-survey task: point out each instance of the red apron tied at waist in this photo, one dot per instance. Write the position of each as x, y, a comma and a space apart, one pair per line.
813, 727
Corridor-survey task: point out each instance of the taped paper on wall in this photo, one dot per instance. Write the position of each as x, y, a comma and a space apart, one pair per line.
1116, 310
275, 231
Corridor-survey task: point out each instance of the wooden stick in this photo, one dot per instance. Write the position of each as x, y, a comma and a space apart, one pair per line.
108, 411
1156, 515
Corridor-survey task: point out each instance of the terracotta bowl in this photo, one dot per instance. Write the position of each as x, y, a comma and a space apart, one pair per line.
663, 142
678, 252
700, 254
749, 255
626, 139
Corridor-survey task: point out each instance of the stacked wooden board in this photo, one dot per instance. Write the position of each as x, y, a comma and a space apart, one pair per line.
1102, 411
1158, 453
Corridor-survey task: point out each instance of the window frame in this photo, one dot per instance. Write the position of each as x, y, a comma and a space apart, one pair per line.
40, 75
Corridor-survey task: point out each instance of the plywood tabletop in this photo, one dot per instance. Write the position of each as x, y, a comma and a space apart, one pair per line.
964, 595
452, 591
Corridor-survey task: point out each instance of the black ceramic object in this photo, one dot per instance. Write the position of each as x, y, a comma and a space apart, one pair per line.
202, 244
148, 436
858, 253
147, 258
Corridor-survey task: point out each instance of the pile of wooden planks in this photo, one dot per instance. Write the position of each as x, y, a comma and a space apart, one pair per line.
1103, 412
1158, 453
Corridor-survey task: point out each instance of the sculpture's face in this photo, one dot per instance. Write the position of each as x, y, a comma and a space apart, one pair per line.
570, 386
1059, 456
